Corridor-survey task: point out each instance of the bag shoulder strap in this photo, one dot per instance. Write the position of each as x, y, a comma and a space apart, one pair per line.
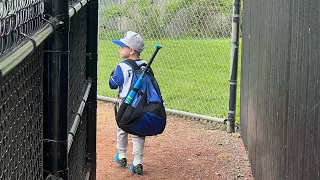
134, 65
155, 85
149, 73
136, 70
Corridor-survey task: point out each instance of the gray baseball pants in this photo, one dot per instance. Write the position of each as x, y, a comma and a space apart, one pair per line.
137, 143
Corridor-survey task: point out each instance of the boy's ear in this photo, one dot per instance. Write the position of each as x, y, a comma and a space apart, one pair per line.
131, 51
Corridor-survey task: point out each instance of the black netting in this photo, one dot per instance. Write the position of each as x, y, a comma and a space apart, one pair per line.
21, 94
21, 120
18, 17
77, 80
77, 74
78, 166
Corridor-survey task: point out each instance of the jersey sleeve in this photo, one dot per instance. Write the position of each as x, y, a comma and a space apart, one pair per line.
116, 79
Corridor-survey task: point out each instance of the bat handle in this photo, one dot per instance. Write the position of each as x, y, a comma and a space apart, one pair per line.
132, 93
158, 46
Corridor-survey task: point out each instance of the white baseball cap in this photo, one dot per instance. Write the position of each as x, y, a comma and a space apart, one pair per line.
132, 40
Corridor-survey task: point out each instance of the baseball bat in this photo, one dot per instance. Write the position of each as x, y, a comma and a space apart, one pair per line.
137, 85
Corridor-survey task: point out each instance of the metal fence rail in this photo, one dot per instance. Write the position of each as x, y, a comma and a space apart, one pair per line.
78, 166
18, 19
21, 96
78, 163
77, 62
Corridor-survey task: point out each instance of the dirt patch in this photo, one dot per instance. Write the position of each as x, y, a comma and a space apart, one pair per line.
188, 149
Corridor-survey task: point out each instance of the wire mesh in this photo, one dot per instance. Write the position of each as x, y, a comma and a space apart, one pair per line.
78, 84
193, 68
17, 19
21, 120
77, 63
78, 166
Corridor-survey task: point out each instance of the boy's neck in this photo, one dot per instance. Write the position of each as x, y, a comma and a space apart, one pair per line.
134, 58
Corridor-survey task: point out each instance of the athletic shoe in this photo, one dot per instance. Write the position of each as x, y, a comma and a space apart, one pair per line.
137, 169
122, 162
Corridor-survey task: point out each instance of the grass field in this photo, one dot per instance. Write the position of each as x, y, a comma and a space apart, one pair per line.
193, 73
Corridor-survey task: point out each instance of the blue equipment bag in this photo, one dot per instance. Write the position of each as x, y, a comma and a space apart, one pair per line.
146, 115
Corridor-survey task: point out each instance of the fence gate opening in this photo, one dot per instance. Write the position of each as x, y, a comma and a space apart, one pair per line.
193, 69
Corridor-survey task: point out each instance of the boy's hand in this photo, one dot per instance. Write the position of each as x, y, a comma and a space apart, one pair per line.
112, 86
112, 73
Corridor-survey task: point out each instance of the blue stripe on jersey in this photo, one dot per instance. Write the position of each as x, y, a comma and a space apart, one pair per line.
116, 79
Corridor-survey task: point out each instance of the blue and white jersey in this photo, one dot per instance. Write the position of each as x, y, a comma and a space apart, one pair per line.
122, 77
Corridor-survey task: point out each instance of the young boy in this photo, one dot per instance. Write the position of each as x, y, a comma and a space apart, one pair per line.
131, 45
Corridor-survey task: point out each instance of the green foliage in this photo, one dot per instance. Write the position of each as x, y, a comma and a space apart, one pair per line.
173, 7
108, 35
151, 20
149, 24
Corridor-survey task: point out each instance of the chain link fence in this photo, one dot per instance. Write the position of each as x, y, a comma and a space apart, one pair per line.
32, 141
78, 165
21, 96
193, 68
18, 18
21, 120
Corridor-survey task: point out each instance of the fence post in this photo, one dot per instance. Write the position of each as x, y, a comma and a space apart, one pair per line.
92, 58
234, 66
56, 94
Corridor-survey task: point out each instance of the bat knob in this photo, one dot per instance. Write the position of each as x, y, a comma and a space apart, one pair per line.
158, 46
